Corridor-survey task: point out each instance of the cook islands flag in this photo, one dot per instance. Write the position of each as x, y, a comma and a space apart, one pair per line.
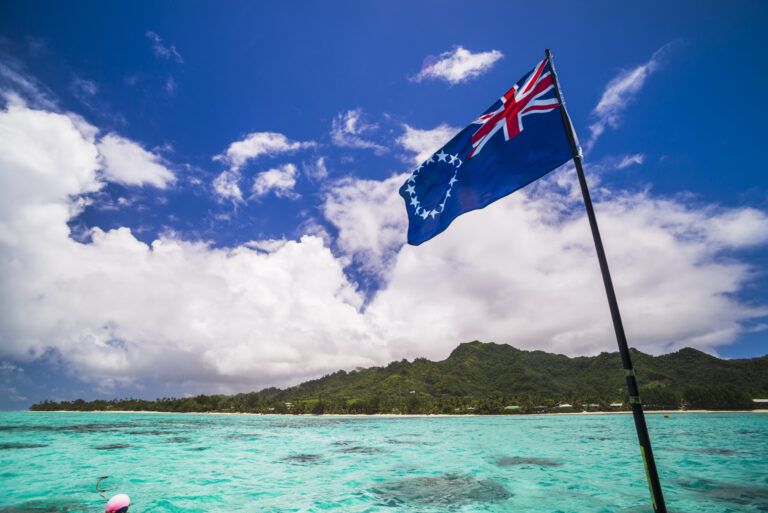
519, 139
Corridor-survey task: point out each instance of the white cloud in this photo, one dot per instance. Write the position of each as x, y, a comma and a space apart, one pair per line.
128, 163
18, 88
162, 50
316, 170
371, 220
83, 88
629, 160
226, 186
458, 65
280, 180
347, 128
530, 278
257, 144
620, 92
117, 309
275, 312
425, 142
170, 85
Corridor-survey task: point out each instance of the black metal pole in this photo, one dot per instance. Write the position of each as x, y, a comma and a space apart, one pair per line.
629, 371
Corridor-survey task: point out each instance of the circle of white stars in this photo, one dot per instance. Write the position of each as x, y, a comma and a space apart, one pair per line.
452, 160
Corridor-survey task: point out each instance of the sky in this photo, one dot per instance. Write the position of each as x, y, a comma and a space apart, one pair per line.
201, 197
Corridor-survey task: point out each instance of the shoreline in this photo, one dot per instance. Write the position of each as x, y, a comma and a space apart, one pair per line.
405, 415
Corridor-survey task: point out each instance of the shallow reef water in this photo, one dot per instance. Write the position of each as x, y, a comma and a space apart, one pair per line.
278, 464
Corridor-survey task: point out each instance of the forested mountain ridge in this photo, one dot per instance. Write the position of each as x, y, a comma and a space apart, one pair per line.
490, 378
477, 369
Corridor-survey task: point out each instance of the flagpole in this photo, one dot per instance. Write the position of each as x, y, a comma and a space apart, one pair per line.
629, 371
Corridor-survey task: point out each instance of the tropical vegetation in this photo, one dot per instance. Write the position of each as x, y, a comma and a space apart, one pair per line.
488, 378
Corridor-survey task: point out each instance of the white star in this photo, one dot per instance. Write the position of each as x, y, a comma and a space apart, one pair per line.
412, 179
447, 195
410, 190
459, 164
424, 214
441, 156
415, 202
453, 180
429, 160
434, 213
419, 168
453, 157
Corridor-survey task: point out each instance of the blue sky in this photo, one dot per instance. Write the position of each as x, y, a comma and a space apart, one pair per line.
202, 197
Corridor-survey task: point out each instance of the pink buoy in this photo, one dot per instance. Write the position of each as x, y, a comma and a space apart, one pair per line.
118, 504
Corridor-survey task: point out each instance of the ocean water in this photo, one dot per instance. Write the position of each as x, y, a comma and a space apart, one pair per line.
231, 463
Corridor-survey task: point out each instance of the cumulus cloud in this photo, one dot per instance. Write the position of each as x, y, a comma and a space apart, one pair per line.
529, 277
458, 65
257, 144
280, 180
371, 221
347, 128
276, 312
424, 143
620, 92
162, 49
127, 162
174, 311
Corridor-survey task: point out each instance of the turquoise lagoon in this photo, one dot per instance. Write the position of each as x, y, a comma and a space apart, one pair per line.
232, 463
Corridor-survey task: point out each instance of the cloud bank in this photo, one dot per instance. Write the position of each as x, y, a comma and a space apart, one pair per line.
116, 309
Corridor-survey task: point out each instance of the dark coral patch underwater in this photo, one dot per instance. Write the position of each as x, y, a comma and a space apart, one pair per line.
441, 490
303, 459
510, 461
20, 446
111, 447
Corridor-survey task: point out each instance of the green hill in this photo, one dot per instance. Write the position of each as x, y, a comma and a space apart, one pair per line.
482, 370
492, 378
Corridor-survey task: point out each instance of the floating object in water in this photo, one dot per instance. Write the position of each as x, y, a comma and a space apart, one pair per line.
666, 416
118, 504
101, 492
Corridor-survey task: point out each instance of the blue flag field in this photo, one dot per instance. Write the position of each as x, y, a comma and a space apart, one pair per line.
517, 140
